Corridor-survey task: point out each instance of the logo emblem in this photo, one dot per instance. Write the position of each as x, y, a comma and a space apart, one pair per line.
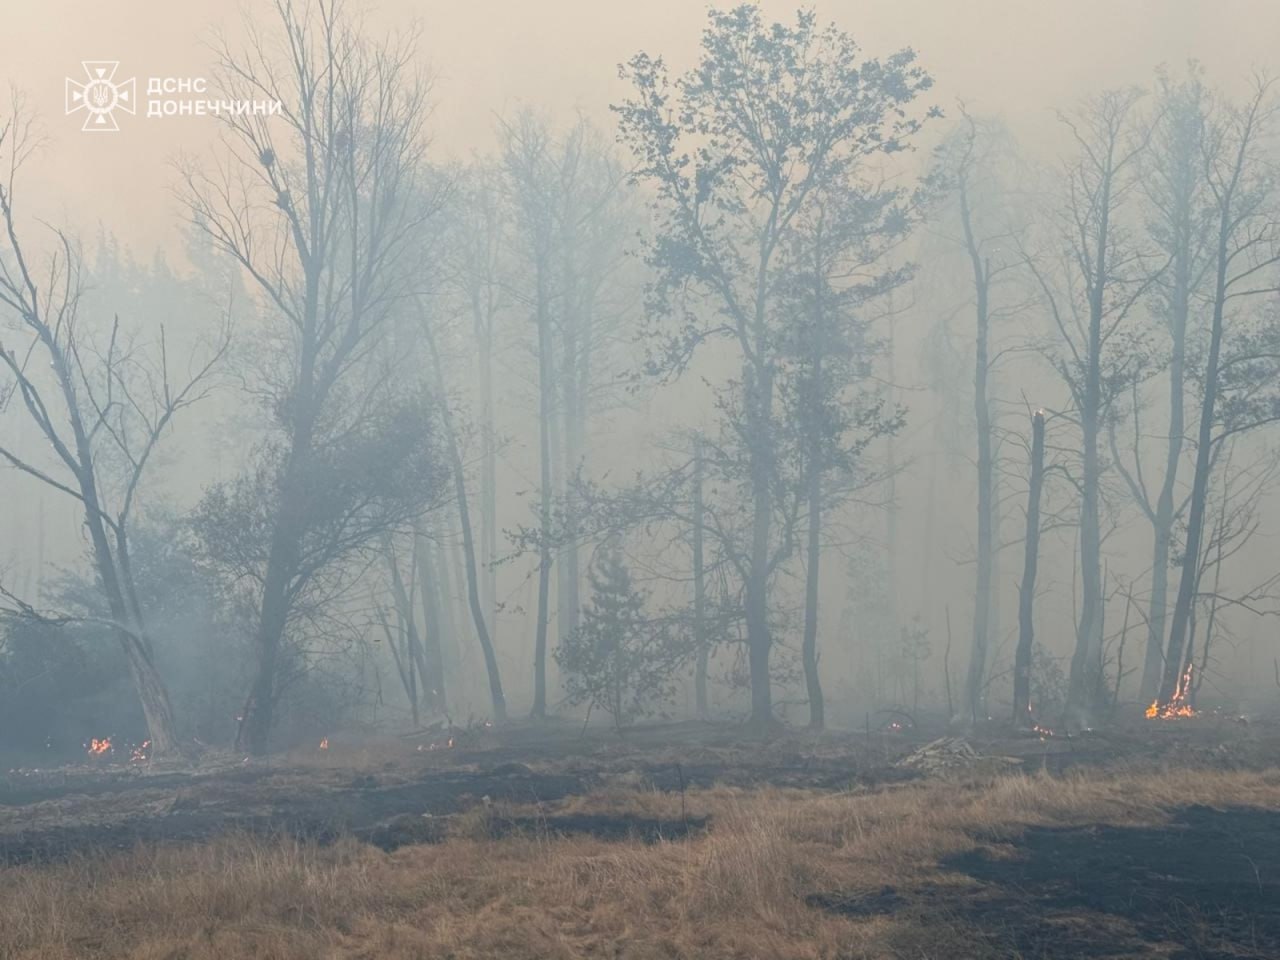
101, 95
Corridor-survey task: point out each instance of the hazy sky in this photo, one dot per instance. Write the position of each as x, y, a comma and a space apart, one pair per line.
1018, 57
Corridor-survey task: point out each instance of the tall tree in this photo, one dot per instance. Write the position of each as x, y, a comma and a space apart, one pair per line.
1100, 275
320, 208
972, 161
102, 407
1027, 587
1236, 381
572, 222
738, 151
1176, 209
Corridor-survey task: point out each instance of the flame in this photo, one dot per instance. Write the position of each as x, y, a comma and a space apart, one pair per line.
98, 747
142, 752
1043, 732
324, 744
1179, 704
422, 748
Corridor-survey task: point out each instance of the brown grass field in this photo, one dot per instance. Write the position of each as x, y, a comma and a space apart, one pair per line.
1117, 859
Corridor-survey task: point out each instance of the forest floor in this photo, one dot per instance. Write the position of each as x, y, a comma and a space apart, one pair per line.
1157, 840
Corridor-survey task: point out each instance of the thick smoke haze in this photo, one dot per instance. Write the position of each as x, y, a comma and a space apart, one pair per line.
1019, 60
899, 553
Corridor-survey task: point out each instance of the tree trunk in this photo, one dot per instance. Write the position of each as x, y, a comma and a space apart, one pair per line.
702, 652
1163, 521
545, 413
1085, 683
809, 645
496, 696
1027, 588
1175, 657
809, 649
982, 590
258, 715
759, 638
488, 483
282, 559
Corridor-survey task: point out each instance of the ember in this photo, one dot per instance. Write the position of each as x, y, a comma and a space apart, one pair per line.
141, 753
1179, 704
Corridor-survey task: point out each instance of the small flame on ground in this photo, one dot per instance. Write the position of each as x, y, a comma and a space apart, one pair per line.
97, 748
1043, 732
324, 744
423, 747
142, 752
1179, 704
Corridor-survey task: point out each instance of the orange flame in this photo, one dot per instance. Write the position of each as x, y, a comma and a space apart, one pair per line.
98, 747
1179, 704
142, 752
324, 744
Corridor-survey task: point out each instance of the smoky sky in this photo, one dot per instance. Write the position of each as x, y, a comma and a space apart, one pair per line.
1018, 58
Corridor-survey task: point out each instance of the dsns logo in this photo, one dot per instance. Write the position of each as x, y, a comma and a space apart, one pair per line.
101, 96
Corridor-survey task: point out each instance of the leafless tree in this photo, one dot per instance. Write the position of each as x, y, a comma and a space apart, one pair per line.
102, 399
320, 207
1091, 276
1237, 378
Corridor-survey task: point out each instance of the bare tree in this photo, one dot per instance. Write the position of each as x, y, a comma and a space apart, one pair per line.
972, 161
103, 407
1174, 189
1027, 588
320, 207
1099, 277
1240, 178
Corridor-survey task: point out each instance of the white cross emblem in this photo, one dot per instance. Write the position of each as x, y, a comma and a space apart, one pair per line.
101, 95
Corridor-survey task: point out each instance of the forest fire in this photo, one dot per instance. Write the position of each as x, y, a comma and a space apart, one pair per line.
98, 748
1179, 704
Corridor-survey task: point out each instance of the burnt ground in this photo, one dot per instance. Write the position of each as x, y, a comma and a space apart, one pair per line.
1205, 886
395, 791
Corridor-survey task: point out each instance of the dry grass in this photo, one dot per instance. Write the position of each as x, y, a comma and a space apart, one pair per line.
737, 891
